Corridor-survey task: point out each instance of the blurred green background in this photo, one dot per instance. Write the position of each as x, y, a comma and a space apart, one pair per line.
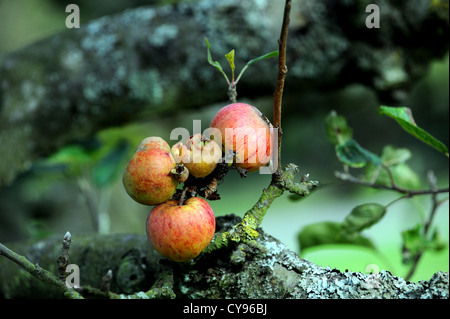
79, 189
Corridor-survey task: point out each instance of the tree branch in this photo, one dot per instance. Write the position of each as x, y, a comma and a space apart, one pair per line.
266, 269
148, 62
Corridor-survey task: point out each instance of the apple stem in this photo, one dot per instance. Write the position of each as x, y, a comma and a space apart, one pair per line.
183, 196
232, 92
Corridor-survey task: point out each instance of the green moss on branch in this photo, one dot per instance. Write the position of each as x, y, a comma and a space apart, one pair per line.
245, 231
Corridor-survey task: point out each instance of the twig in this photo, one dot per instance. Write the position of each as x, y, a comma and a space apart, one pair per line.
408, 192
435, 205
38, 272
63, 258
282, 70
106, 281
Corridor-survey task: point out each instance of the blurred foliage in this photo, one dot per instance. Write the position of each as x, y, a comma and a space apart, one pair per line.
388, 171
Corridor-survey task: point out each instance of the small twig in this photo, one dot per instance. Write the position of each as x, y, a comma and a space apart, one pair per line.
38, 272
183, 196
408, 192
63, 258
106, 281
435, 205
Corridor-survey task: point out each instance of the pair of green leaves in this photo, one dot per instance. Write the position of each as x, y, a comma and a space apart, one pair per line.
230, 57
415, 243
347, 232
350, 153
392, 162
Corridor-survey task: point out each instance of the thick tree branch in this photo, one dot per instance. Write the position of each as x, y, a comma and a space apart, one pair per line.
150, 61
267, 269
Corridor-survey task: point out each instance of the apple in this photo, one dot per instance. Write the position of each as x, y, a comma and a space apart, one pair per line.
200, 155
181, 232
148, 179
245, 132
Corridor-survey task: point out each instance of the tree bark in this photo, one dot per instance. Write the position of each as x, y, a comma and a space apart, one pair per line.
151, 61
240, 271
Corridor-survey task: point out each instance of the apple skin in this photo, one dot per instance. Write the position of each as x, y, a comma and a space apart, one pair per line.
199, 155
153, 142
255, 131
147, 178
181, 233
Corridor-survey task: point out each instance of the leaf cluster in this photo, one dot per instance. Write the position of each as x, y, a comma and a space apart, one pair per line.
389, 171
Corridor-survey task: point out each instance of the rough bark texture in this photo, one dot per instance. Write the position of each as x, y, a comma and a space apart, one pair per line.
153, 61
235, 272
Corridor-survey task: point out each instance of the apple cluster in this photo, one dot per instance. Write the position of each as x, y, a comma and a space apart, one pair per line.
181, 229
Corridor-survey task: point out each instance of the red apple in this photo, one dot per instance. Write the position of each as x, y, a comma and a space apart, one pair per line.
181, 232
147, 178
245, 132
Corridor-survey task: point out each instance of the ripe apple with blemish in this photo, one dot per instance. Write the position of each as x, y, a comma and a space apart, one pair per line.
246, 132
181, 232
200, 155
147, 177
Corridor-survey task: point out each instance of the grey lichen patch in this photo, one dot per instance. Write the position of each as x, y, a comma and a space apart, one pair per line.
163, 35
147, 86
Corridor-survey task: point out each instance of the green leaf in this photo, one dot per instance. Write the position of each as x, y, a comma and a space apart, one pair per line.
230, 58
393, 160
392, 156
353, 155
71, 155
324, 233
402, 174
336, 128
265, 56
362, 217
403, 116
215, 64
415, 243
